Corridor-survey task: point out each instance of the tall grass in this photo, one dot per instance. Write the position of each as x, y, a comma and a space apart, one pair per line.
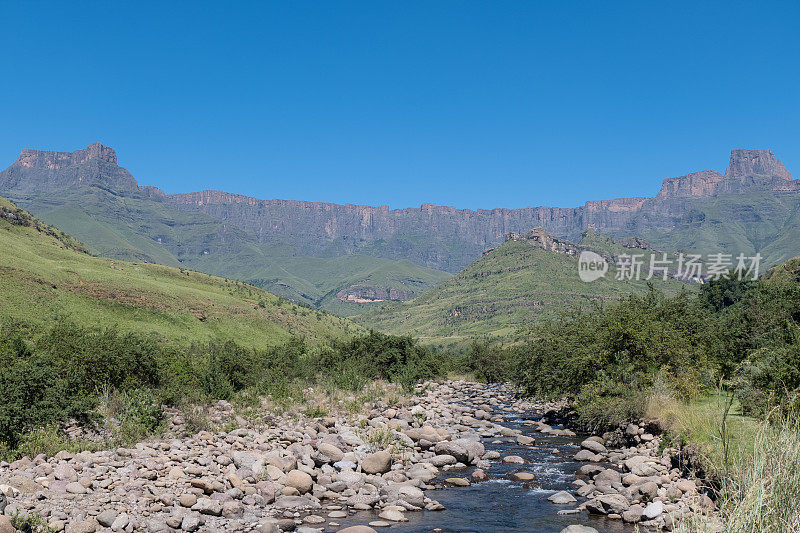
762, 491
758, 480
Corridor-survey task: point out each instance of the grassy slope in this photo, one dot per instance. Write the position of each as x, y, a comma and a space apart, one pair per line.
128, 227
745, 223
513, 286
42, 279
316, 280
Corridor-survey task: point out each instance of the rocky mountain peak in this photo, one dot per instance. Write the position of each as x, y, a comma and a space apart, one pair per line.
51, 160
695, 184
41, 170
746, 163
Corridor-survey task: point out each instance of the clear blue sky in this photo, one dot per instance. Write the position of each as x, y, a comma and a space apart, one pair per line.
473, 104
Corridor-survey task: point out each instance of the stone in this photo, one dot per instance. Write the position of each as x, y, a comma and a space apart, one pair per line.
646, 491
576, 528
75, 488
121, 522
107, 517
191, 522
393, 516
523, 476
608, 504
295, 502
332, 452
187, 500
84, 526
653, 510
208, 506
268, 525
442, 460
593, 446
299, 480
642, 466
458, 481
357, 529
377, 463
5, 525
243, 459
586, 455
633, 515
479, 475
464, 450
562, 498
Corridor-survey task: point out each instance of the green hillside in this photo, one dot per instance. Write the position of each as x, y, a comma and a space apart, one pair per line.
133, 226
47, 276
756, 221
512, 287
317, 280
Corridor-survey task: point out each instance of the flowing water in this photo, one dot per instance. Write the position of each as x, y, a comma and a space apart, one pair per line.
502, 504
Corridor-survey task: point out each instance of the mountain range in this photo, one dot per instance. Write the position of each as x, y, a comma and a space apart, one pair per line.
345, 257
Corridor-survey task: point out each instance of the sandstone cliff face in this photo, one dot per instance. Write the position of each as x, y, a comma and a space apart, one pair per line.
744, 163
441, 237
696, 184
36, 170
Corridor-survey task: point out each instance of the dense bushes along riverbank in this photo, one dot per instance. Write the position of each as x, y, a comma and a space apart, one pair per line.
743, 335
51, 376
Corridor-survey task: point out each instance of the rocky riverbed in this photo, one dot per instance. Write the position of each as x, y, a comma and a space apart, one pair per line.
455, 456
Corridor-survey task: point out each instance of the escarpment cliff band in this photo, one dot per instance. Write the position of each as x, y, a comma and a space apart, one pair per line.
440, 237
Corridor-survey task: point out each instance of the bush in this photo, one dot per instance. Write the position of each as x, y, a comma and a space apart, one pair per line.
91, 359
488, 363
33, 395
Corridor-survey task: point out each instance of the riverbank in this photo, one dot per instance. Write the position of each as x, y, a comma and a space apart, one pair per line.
388, 464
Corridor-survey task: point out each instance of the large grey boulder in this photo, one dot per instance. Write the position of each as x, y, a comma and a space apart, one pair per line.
608, 504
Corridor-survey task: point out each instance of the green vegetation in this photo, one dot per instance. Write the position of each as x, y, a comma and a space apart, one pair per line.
98, 341
316, 281
747, 336
67, 372
507, 290
754, 221
83, 337
133, 226
45, 278
720, 369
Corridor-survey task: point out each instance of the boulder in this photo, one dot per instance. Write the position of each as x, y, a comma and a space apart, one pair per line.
593, 446
608, 504
562, 498
299, 480
331, 452
653, 510
377, 463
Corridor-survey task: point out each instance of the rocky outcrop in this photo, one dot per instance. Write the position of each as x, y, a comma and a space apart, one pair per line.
36, 170
371, 293
747, 170
539, 238
745, 163
696, 184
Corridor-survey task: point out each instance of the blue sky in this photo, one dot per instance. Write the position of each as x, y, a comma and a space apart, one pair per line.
473, 104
